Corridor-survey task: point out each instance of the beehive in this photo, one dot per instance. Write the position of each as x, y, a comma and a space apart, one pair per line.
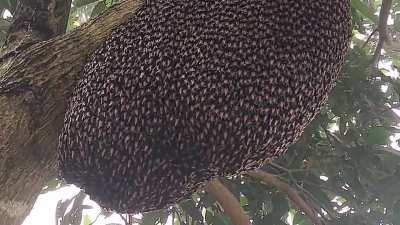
192, 89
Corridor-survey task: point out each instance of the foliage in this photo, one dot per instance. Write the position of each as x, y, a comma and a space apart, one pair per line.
345, 166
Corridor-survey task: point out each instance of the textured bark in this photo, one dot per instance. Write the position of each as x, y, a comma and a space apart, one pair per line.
34, 85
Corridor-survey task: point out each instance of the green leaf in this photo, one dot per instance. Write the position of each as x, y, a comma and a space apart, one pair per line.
86, 220
396, 214
364, 10
209, 216
320, 195
220, 220
52, 185
99, 8
280, 206
207, 200
109, 3
387, 189
377, 136
80, 3
190, 208
396, 24
243, 200
5, 4
152, 218
300, 219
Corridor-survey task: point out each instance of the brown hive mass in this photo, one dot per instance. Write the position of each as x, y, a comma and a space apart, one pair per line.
187, 90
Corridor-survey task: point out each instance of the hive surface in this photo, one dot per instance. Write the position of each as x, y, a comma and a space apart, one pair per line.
191, 89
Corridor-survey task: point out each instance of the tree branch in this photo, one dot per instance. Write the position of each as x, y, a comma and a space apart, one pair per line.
34, 85
369, 37
293, 195
228, 202
382, 29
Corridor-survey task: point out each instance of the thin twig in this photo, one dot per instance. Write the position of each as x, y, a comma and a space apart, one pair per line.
293, 195
124, 219
286, 170
320, 186
279, 166
369, 37
314, 199
308, 194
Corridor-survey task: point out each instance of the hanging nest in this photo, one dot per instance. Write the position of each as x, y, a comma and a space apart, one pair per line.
193, 89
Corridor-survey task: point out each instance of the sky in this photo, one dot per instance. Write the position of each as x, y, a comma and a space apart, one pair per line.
44, 210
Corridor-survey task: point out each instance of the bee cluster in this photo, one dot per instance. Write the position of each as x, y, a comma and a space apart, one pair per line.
188, 90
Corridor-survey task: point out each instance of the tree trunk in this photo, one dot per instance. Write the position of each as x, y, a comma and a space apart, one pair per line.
35, 82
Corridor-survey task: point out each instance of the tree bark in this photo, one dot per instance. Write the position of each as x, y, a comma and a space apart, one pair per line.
35, 82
